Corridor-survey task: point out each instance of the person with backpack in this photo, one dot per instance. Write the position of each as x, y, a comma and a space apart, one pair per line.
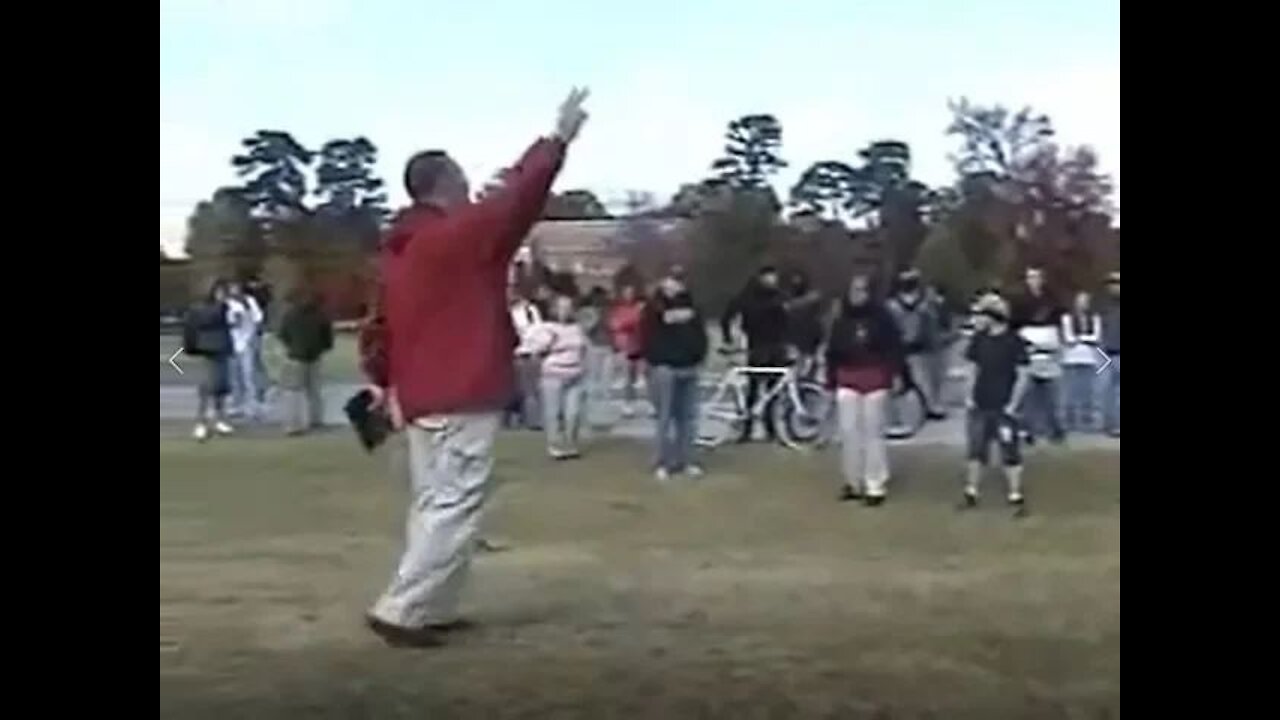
206, 335
306, 331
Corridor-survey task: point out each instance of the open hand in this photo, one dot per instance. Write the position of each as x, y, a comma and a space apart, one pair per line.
571, 117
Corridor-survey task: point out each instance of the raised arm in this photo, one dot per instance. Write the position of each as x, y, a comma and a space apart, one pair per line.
501, 219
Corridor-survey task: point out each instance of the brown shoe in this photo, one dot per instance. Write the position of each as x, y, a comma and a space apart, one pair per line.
402, 637
453, 626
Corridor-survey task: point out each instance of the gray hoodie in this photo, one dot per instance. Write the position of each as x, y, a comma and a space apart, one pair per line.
1111, 328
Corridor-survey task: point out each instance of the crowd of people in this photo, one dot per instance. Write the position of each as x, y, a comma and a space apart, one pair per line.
539, 359
225, 330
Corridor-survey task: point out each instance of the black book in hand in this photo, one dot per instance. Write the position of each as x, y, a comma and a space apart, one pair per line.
371, 424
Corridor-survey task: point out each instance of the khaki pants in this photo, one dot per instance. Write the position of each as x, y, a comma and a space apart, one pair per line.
450, 462
304, 401
864, 459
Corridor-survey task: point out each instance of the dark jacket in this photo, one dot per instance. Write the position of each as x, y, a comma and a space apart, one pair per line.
862, 337
205, 332
442, 336
1035, 310
804, 318
675, 334
917, 320
764, 316
306, 332
1111, 327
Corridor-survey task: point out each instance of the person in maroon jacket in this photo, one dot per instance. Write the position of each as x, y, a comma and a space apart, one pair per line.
438, 352
864, 355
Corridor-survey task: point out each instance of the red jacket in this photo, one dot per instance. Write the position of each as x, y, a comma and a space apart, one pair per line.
441, 337
624, 327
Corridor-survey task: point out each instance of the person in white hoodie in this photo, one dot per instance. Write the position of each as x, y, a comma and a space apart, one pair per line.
525, 316
244, 319
1081, 333
561, 345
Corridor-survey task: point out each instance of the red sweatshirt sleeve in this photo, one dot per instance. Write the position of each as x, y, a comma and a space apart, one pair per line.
501, 220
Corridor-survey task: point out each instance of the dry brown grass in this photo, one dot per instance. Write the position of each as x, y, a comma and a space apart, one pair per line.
749, 595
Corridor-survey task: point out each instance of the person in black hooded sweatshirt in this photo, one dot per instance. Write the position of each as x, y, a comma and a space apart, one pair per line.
762, 307
675, 342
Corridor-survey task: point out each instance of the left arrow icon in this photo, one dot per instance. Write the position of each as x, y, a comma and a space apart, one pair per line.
173, 360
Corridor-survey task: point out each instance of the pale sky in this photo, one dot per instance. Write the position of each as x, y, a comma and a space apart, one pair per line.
482, 79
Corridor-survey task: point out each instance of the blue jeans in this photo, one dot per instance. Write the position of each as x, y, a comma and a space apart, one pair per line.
244, 387
1111, 395
1040, 408
675, 397
1079, 402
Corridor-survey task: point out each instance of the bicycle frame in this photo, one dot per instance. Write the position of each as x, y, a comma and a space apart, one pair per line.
732, 386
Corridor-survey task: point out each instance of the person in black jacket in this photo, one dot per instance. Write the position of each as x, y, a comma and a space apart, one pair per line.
206, 335
804, 322
307, 334
675, 341
762, 307
864, 354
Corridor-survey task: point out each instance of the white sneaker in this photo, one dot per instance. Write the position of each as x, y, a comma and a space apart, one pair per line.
661, 475
694, 471
222, 428
201, 432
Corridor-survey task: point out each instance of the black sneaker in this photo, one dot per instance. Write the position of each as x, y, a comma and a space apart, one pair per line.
873, 500
936, 415
847, 493
968, 501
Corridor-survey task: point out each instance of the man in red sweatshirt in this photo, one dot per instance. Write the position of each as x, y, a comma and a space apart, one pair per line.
439, 354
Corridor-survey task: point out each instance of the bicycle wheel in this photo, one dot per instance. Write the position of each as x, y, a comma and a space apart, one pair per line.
905, 414
717, 422
808, 422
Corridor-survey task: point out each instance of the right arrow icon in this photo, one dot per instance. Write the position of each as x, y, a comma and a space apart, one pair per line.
1106, 360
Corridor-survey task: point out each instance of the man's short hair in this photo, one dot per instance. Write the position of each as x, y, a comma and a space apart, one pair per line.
422, 172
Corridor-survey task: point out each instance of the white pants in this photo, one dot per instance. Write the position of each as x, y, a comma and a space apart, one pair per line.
450, 461
864, 460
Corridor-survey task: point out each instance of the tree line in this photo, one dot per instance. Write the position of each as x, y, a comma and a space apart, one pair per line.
1018, 197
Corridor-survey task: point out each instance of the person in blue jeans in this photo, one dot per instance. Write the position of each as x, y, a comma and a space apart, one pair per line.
1111, 346
1081, 337
675, 343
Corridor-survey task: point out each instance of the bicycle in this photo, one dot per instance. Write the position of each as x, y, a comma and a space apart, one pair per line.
799, 408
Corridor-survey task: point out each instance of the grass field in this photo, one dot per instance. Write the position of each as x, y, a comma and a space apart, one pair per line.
749, 595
